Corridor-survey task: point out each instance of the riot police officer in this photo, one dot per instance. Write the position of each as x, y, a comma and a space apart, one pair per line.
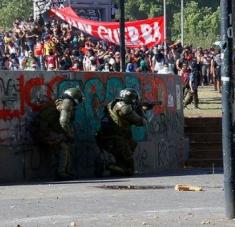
56, 133
114, 135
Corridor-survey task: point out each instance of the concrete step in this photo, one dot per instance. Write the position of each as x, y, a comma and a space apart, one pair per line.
205, 137
205, 154
206, 146
203, 128
205, 141
203, 121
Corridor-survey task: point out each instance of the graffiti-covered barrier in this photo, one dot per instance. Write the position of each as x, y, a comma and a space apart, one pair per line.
22, 95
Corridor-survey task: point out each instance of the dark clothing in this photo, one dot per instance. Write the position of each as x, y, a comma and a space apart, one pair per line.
206, 74
192, 94
217, 65
50, 136
218, 73
193, 79
48, 121
65, 63
1, 62
115, 136
159, 57
118, 142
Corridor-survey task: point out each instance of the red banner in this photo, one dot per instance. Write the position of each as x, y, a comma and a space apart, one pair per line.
139, 33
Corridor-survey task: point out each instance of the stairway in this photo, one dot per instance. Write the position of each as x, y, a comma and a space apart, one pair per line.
205, 141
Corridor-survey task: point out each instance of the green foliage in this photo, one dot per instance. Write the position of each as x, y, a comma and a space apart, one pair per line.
201, 22
201, 18
201, 25
214, 4
13, 9
142, 9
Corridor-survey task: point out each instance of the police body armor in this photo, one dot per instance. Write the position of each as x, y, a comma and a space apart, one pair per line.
55, 130
118, 118
124, 115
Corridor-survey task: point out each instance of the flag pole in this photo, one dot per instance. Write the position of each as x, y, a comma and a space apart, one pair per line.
182, 22
164, 12
122, 35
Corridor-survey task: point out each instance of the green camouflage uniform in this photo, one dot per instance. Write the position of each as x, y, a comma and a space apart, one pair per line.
115, 135
56, 135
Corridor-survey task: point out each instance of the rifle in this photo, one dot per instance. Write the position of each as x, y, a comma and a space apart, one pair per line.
150, 105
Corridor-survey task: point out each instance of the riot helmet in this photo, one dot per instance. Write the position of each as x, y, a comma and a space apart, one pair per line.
129, 95
75, 94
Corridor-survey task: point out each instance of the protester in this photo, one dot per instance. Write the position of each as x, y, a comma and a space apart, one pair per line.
192, 94
55, 45
216, 67
31, 61
206, 62
184, 76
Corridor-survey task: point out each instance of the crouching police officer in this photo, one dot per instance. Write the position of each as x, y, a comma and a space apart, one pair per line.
56, 133
114, 135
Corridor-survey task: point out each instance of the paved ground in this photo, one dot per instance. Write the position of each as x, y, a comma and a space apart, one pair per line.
60, 204
209, 104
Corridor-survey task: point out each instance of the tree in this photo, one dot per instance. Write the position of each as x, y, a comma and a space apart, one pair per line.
199, 18
201, 25
142, 9
13, 9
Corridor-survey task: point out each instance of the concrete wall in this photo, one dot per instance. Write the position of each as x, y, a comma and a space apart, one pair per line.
160, 144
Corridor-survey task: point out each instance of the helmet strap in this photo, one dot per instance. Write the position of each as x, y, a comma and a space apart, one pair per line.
66, 96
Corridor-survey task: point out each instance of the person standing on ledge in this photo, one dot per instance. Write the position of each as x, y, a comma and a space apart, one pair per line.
192, 95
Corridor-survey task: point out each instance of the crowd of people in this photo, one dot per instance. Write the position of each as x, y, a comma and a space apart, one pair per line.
55, 45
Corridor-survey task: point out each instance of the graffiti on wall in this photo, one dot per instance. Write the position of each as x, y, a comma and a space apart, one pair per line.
20, 94
16, 93
23, 94
99, 91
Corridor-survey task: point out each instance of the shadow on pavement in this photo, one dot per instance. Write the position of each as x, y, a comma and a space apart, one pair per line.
184, 172
77, 181
161, 173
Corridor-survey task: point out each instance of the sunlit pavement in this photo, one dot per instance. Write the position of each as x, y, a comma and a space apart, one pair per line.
209, 104
94, 202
